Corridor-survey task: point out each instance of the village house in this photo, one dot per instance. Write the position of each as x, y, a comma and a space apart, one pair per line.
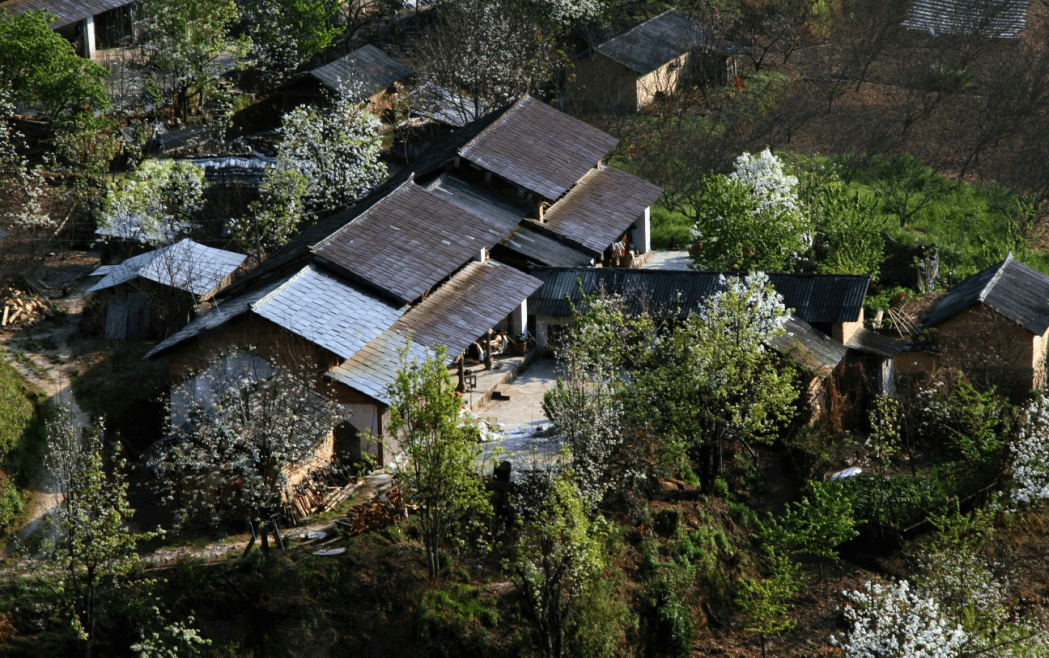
427, 260
88, 24
992, 326
629, 71
156, 293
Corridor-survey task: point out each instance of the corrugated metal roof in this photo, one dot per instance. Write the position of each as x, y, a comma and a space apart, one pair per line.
813, 298
213, 319
327, 312
813, 350
1017, 291
872, 342
601, 207
539, 148
478, 200
65, 12
455, 315
369, 67
409, 241
185, 265
655, 42
533, 244
995, 19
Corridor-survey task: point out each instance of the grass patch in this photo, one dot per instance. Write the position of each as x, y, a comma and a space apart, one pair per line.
22, 441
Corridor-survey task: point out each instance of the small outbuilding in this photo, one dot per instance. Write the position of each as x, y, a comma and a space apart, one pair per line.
155, 293
992, 326
629, 71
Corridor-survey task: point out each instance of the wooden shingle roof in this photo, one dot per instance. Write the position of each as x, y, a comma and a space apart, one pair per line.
1017, 291
531, 243
993, 19
601, 207
408, 242
66, 12
541, 149
650, 45
368, 67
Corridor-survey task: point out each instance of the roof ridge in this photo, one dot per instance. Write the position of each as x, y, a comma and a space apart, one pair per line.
268, 297
505, 115
986, 291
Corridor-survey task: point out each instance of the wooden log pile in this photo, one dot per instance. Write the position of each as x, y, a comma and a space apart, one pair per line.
385, 510
20, 308
320, 491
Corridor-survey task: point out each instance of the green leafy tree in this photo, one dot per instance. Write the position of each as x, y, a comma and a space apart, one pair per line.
439, 472
848, 233
93, 550
766, 601
327, 158
40, 67
817, 524
285, 33
182, 47
557, 556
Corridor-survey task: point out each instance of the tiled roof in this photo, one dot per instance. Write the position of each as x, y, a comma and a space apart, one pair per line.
478, 200
409, 241
539, 148
64, 11
601, 207
995, 19
369, 67
813, 350
493, 291
534, 244
185, 265
1017, 291
813, 298
327, 312
232, 170
655, 42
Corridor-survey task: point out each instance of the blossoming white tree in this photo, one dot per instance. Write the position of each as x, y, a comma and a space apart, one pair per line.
154, 203
889, 621
750, 219
1030, 467
327, 158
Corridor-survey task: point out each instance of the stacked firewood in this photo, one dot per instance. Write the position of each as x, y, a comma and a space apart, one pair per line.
20, 308
386, 509
321, 490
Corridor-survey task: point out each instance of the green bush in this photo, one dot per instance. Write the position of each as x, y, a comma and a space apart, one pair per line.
971, 424
455, 621
11, 503
669, 623
887, 505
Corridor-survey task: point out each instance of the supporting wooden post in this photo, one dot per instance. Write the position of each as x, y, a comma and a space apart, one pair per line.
462, 374
488, 350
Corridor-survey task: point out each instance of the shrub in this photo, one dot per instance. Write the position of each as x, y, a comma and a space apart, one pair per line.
894, 503
455, 620
669, 624
970, 423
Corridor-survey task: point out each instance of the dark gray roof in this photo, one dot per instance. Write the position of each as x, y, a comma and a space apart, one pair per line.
871, 342
327, 312
601, 207
478, 200
493, 291
369, 67
64, 11
408, 242
813, 298
813, 350
539, 148
1017, 291
996, 19
655, 42
185, 265
531, 243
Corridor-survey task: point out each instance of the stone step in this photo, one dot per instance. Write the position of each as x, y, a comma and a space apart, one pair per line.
503, 392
